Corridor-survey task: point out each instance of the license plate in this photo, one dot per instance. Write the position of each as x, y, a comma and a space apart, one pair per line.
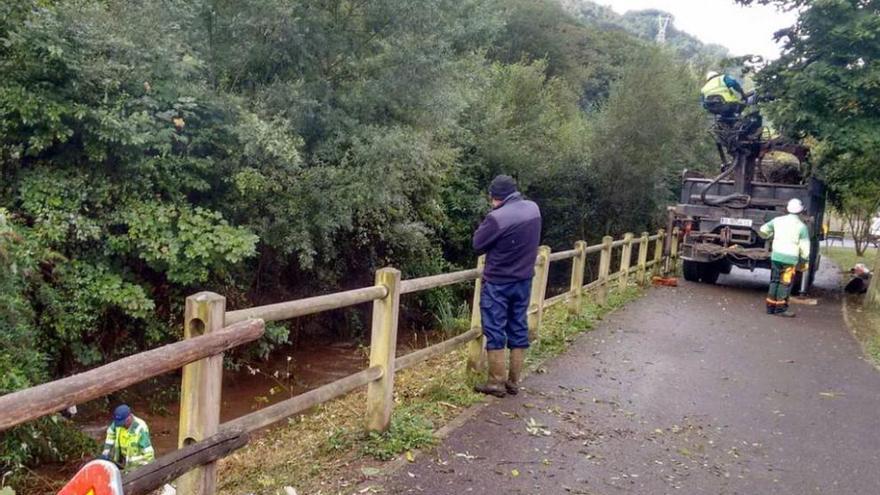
736, 222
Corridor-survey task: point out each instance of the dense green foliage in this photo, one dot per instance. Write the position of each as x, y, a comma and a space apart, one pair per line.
826, 87
268, 150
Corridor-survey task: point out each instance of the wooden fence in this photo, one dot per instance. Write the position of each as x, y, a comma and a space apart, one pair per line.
209, 330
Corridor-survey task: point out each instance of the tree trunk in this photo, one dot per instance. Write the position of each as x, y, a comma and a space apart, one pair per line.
872, 298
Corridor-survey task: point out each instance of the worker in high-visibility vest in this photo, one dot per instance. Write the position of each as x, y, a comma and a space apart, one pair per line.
128, 440
790, 253
723, 95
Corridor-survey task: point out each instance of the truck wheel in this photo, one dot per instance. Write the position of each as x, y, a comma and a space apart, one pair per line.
724, 266
691, 270
709, 273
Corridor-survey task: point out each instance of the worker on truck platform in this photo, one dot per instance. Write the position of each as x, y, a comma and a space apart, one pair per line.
509, 235
723, 95
128, 440
790, 252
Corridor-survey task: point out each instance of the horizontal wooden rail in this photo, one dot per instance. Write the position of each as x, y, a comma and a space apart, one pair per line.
171, 466
308, 306
414, 358
619, 243
655, 237
563, 255
285, 409
32, 403
593, 249
435, 281
595, 284
555, 299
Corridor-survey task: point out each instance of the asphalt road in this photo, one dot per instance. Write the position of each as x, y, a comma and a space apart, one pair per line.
689, 390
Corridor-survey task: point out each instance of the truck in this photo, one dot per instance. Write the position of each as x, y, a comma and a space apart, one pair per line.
718, 218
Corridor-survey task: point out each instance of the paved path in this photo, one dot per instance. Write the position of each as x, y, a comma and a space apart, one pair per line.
690, 390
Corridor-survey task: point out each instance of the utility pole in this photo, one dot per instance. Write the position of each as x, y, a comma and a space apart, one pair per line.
662, 24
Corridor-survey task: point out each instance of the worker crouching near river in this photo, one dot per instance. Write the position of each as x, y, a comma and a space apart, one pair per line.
509, 236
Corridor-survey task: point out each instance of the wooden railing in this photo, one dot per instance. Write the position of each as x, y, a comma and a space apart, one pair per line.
209, 330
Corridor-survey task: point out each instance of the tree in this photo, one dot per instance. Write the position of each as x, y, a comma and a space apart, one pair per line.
825, 88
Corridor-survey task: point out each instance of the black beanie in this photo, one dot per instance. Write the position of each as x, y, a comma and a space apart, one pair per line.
502, 186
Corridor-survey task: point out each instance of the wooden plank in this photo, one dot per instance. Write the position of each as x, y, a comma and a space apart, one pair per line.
538, 292
32, 403
383, 341
553, 301
414, 358
307, 306
287, 408
658, 252
672, 259
477, 348
171, 466
642, 277
435, 281
596, 248
625, 260
604, 269
575, 300
200, 389
563, 255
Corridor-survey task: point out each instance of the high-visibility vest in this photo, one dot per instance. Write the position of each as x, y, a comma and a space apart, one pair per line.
717, 87
791, 239
131, 445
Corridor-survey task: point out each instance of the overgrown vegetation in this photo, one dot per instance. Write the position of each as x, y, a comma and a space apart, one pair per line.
284, 148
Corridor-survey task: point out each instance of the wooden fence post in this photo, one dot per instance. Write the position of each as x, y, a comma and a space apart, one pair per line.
643, 259
477, 347
383, 344
200, 390
539, 290
576, 290
658, 252
625, 259
604, 269
672, 261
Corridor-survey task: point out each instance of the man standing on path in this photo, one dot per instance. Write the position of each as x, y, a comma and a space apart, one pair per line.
509, 236
791, 251
128, 440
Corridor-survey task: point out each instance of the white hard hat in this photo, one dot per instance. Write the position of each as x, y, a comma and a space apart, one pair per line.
794, 206
711, 74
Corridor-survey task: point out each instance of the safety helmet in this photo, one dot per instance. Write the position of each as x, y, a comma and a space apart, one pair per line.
795, 206
711, 74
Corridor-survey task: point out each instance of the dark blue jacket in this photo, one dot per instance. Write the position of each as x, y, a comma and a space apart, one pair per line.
509, 236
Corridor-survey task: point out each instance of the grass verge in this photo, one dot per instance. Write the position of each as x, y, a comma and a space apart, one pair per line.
327, 452
865, 324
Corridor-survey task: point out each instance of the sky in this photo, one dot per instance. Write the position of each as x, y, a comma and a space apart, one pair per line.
743, 30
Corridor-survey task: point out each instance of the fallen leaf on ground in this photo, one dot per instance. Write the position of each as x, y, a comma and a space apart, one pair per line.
370, 471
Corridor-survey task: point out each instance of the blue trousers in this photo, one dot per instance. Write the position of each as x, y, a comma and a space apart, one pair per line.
503, 309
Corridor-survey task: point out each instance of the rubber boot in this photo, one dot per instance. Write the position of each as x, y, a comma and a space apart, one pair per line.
495, 384
786, 313
517, 358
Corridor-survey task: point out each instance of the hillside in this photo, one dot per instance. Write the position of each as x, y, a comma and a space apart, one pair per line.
643, 24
